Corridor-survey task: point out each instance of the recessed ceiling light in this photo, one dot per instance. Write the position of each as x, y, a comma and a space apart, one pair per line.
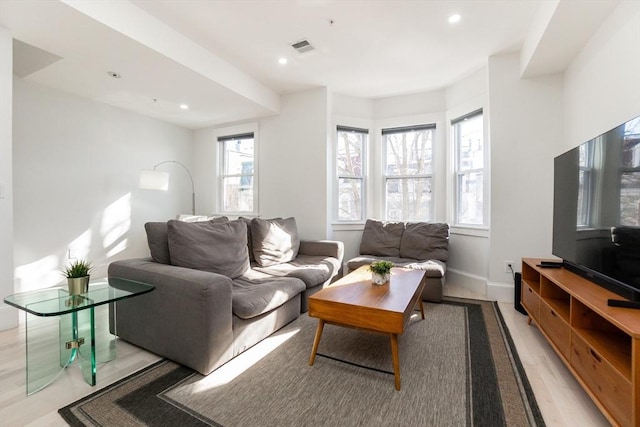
454, 18
282, 61
184, 106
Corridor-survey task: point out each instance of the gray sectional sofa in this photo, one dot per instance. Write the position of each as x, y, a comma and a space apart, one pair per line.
419, 245
220, 286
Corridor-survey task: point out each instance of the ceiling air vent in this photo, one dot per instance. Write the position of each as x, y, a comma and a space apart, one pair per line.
302, 46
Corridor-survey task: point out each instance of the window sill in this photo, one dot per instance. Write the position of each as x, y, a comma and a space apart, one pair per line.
470, 231
347, 226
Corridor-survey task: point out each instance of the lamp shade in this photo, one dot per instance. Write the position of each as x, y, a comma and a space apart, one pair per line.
154, 180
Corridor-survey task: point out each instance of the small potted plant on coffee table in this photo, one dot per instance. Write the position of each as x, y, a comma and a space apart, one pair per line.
380, 272
77, 274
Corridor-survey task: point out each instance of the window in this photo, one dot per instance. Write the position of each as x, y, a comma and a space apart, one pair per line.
237, 177
350, 152
408, 172
586, 184
630, 175
468, 139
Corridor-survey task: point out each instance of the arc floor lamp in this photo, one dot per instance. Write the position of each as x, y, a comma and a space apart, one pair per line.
158, 180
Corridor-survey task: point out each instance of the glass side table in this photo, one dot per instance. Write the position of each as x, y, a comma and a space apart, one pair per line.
76, 331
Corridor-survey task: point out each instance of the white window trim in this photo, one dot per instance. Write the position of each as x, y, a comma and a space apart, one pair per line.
238, 130
383, 172
438, 185
360, 123
453, 201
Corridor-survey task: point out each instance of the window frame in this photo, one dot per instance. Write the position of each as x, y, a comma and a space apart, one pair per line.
222, 174
362, 177
386, 177
457, 173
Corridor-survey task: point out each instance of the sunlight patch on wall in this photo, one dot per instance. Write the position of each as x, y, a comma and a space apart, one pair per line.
117, 248
80, 247
116, 222
39, 274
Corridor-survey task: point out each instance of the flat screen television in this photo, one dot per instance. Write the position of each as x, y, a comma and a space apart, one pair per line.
596, 211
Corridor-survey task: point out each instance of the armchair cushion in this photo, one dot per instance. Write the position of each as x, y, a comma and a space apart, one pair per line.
209, 246
424, 240
381, 238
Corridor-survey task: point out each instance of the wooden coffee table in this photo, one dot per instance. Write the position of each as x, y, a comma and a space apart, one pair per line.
355, 302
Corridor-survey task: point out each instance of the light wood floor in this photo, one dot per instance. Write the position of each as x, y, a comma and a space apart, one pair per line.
559, 396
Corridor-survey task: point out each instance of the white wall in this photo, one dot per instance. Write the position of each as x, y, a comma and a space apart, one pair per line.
602, 84
293, 162
76, 167
468, 262
205, 173
8, 315
525, 131
291, 167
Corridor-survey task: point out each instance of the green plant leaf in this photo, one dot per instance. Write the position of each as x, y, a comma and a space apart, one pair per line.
78, 268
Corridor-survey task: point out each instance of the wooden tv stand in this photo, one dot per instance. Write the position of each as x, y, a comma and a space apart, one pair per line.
599, 344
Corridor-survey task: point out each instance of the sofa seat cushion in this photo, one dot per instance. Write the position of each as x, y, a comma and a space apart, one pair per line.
433, 268
313, 270
255, 293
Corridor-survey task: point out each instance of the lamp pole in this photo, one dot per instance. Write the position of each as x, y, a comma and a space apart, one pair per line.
193, 188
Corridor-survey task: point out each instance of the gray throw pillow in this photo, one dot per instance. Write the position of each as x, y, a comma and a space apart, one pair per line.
209, 246
424, 240
158, 241
274, 240
381, 238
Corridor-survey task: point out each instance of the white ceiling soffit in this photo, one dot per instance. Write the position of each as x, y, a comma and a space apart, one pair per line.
159, 74
559, 31
173, 52
363, 48
28, 59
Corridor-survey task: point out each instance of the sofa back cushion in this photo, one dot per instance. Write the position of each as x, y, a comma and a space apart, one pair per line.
274, 240
381, 238
198, 218
218, 247
247, 221
158, 241
424, 240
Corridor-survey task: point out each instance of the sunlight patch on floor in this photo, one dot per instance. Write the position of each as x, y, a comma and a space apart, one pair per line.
236, 366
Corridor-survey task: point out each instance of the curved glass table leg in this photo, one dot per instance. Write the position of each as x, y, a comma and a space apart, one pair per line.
86, 333
61, 328
46, 359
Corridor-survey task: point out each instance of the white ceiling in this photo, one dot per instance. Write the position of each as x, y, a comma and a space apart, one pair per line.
220, 57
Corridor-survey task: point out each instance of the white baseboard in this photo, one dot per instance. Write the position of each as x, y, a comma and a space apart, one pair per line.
497, 291
8, 317
469, 281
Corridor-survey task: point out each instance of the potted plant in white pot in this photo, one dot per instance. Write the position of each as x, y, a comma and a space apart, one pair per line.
77, 274
380, 272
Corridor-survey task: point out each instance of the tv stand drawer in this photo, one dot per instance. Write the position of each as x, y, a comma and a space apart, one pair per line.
531, 300
604, 381
556, 328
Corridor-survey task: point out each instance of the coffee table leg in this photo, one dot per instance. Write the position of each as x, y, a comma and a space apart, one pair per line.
421, 308
396, 359
316, 341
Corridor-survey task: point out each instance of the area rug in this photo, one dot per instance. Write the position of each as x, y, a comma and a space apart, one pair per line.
458, 368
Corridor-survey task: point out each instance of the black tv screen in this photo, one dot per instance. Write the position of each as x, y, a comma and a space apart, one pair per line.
596, 209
